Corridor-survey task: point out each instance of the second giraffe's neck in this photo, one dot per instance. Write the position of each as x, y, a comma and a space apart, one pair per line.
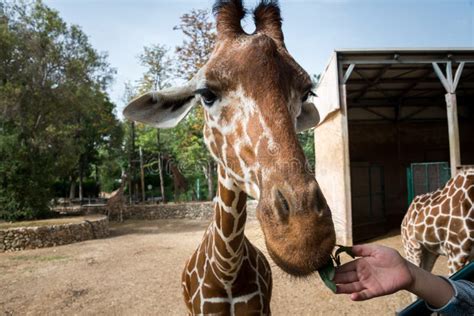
227, 250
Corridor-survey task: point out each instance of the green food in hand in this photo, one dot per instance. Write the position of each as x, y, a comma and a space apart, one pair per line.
327, 272
327, 275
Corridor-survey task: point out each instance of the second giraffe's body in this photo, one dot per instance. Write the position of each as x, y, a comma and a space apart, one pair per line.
442, 223
227, 275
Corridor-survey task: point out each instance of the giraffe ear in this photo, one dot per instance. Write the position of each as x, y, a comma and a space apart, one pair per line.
162, 109
308, 118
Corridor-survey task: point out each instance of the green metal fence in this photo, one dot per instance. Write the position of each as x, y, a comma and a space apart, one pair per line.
426, 177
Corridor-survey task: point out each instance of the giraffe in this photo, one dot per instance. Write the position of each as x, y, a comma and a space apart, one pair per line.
255, 98
179, 181
116, 201
442, 223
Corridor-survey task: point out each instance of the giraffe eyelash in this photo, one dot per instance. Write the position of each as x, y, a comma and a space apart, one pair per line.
307, 95
208, 97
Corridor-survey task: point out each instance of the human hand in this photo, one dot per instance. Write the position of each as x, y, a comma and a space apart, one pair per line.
380, 271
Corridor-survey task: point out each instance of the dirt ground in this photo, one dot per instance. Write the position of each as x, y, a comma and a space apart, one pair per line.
137, 272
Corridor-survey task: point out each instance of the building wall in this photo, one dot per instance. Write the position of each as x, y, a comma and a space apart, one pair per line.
332, 173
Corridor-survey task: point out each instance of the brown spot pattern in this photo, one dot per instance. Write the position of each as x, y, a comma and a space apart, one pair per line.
441, 223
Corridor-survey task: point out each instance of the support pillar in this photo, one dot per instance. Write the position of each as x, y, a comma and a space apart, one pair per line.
450, 83
453, 129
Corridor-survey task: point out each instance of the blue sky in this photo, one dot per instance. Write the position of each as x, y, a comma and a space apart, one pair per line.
313, 28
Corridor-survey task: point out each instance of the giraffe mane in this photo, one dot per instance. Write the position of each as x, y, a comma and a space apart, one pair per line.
228, 14
268, 20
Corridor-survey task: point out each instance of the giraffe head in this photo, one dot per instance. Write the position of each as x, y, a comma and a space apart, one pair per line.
255, 99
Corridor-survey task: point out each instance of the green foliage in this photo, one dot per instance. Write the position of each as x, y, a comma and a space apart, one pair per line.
54, 115
24, 178
183, 145
159, 66
306, 139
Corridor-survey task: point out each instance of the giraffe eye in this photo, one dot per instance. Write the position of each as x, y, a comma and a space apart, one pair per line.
208, 97
307, 95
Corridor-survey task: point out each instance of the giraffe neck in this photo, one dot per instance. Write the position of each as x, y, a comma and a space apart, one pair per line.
227, 229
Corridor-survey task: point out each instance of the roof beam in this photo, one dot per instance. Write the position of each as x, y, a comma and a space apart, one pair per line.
401, 80
457, 77
378, 114
387, 97
447, 80
369, 85
409, 105
414, 84
349, 61
348, 73
442, 78
465, 100
412, 114
409, 71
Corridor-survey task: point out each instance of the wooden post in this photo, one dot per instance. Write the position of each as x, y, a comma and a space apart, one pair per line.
160, 167
453, 128
142, 175
131, 158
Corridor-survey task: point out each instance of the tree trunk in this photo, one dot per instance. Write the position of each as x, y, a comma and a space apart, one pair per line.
131, 157
137, 190
72, 188
80, 182
162, 183
160, 167
142, 176
130, 190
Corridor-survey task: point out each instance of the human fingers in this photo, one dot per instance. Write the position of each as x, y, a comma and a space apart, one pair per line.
350, 266
349, 288
362, 295
345, 277
365, 250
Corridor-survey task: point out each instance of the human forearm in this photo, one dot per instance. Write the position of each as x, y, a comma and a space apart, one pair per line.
431, 288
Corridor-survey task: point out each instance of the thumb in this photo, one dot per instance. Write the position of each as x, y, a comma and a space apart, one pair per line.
365, 250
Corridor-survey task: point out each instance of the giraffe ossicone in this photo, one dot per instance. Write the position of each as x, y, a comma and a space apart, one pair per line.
442, 223
255, 98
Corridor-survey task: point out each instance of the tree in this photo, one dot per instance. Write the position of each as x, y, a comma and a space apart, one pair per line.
200, 39
159, 70
184, 145
54, 111
192, 55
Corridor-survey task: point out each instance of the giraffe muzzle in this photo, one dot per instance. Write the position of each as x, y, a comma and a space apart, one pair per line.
298, 228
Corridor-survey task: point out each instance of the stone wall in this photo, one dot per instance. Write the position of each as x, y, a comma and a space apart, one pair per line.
192, 210
20, 238
198, 210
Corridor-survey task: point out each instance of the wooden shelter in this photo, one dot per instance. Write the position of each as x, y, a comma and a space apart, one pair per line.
382, 111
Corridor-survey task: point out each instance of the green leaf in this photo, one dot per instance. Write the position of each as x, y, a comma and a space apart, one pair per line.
327, 275
345, 249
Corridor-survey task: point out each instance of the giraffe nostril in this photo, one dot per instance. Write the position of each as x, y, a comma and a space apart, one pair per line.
316, 199
281, 205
